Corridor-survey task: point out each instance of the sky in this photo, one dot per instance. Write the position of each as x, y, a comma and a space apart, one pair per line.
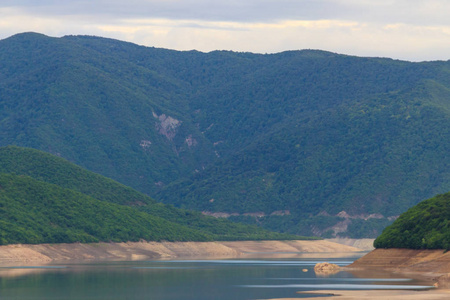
410, 30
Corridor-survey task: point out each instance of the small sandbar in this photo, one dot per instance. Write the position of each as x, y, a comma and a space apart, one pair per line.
435, 294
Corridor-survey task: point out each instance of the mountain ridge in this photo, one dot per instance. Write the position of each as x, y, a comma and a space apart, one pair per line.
312, 132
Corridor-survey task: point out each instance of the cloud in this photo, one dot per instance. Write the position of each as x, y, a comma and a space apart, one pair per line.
411, 30
431, 12
230, 10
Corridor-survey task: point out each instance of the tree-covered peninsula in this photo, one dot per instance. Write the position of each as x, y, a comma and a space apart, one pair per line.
424, 226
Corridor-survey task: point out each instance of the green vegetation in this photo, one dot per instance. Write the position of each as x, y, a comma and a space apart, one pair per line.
37, 212
310, 132
56, 170
424, 226
46, 199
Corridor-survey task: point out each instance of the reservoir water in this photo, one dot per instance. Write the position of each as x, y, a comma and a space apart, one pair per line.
236, 279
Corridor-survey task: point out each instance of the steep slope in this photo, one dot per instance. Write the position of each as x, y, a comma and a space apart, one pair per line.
97, 109
49, 178
312, 141
372, 156
375, 156
424, 226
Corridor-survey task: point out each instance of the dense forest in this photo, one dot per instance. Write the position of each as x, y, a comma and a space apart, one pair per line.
424, 226
35, 212
304, 142
46, 199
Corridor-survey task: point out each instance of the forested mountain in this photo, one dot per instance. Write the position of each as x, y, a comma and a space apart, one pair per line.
424, 226
46, 199
307, 142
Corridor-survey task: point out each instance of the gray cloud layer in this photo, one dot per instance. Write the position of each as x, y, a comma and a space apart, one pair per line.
230, 10
406, 29
431, 12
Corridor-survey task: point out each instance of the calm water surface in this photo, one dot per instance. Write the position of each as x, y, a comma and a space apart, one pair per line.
236, 279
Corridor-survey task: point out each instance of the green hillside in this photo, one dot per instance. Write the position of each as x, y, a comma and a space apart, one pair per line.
35, 212
100, 110
424, 226
56, 170
371, 157
58, 201
305, 142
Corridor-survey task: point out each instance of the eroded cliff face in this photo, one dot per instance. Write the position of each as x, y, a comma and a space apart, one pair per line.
170, 128
167, 126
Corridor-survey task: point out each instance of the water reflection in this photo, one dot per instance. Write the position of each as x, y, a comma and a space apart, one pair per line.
198, 279
343, 286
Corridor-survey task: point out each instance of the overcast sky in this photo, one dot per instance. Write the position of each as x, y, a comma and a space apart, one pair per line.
402, 29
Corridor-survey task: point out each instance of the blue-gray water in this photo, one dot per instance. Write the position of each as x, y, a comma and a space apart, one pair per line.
179, 279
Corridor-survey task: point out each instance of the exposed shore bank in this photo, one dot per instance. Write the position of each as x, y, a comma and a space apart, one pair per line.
46, 253
406, 260
364, 244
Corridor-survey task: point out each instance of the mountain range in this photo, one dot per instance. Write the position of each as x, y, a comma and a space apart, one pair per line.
306, 142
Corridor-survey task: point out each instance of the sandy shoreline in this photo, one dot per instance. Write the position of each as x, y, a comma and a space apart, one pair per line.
438, 294
432, 267
46, 253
